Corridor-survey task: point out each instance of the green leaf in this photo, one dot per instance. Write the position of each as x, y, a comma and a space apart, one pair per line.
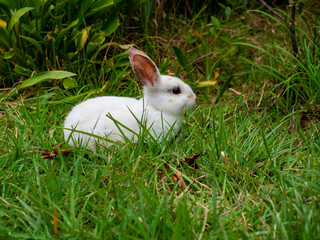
103, 47
16, 16
9, 3
213, 67
70, 55
99, 6
8, 55
22, 71
82, 38
44, 76
69, 83
4, 36
34, 42
37, 6
63, 32
111, 25
224, 88
184, 62
215, 21
95, 42
3, 68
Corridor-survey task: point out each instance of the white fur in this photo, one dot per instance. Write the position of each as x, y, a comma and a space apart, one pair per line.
159, 109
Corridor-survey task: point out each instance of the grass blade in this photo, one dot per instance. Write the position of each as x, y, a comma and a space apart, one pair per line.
15, 17
112, 24
224, 87
44, 76
184, 62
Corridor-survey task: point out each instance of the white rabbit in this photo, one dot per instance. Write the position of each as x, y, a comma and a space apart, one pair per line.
160, 110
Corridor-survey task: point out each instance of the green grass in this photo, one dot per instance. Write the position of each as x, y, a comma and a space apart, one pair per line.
267, 185
259, 172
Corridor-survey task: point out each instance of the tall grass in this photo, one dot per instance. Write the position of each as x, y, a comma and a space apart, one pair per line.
295, 76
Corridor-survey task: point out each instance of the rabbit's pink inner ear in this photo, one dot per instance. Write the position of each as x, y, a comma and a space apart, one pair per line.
144, 69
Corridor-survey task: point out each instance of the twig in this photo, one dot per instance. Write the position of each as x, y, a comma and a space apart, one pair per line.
208, 54
204, 223
292, 9
189, 8
271, 9
55, 222
264, 85
160, 11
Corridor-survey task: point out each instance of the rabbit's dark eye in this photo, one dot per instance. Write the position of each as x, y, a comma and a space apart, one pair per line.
176, 90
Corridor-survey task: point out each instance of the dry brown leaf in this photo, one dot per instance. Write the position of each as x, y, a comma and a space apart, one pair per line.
196, 33
177, 177
46, 154
116, 213
191, 161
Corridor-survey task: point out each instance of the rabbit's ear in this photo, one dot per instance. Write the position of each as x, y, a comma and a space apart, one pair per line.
144, 68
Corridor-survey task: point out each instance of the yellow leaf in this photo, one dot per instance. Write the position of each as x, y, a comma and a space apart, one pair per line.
216, 73
3, 24
209, 83
197, 34
126, 46
84, 37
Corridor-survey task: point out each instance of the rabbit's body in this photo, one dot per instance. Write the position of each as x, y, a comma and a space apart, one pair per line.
98, 112
91, 117
160, 110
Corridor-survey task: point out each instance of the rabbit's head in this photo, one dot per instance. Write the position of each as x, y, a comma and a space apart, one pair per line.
162, 92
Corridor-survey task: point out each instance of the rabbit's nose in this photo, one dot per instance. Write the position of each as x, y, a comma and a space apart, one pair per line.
192, 97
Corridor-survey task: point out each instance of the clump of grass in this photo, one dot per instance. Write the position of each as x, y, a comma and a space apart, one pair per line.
57, 35
295, 75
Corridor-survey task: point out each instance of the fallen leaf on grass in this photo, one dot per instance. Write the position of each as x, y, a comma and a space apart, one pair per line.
46, 154
162, 176
116, 213
210, 82
191, 161
197, 34
177, 176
